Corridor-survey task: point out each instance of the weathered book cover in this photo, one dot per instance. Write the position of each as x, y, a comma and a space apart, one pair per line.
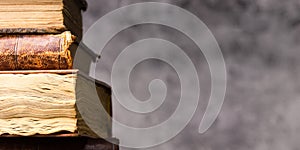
25, 52
56, 143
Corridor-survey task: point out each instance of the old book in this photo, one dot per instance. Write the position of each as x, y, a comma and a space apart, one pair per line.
46, 102
57, 143
41, 16
25, 52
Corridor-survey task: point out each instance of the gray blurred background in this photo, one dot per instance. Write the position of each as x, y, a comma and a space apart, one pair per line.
260, 41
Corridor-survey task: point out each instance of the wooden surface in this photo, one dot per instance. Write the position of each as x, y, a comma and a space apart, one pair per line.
55, 143
46, 102
19, 52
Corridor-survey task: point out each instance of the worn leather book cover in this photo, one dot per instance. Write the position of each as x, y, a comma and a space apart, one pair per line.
56, 143
25, 52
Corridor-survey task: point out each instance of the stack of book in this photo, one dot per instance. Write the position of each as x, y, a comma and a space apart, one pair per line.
39, 90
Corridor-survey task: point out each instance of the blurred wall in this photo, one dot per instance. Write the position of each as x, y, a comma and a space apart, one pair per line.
260, 41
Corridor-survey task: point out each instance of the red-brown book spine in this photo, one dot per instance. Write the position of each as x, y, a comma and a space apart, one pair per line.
26, 52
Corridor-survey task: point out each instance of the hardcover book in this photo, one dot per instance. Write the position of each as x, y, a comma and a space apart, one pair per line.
25, 52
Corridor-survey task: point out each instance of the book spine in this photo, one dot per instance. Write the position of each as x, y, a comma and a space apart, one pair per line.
24, 52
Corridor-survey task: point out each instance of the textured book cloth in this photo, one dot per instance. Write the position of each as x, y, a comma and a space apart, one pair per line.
24, 52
